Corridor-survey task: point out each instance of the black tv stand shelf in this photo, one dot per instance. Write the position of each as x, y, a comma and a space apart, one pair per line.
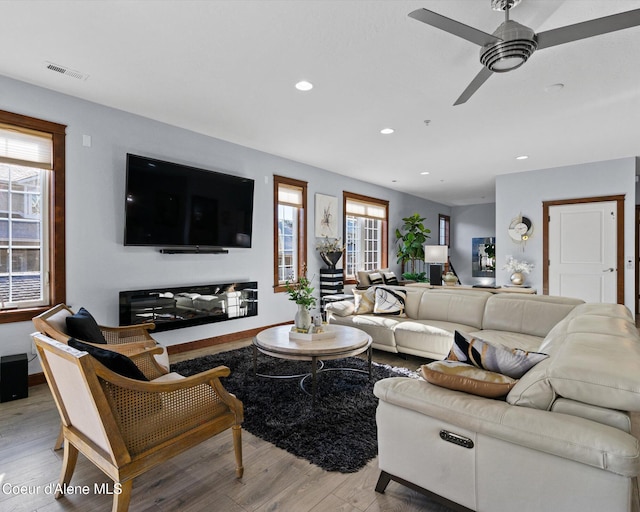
194, 250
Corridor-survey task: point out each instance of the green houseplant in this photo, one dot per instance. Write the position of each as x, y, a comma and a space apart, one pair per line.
301, 292
411, 239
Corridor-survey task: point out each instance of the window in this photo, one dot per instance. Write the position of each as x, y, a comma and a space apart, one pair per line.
444, 223
290, 230
32, 270
365, 234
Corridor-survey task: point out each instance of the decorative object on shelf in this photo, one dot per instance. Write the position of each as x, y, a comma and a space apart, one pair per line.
330, 250
301, 293
411, 240
326, 216
450, 279
518, 270
436, 256
517, 279
520, 230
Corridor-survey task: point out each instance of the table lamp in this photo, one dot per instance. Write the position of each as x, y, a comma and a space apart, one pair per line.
435, 256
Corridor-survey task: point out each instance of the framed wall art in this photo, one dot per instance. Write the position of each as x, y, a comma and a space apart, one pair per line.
326, 216
483, 259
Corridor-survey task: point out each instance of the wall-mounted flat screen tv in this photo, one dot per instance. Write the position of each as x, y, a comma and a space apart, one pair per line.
174, 205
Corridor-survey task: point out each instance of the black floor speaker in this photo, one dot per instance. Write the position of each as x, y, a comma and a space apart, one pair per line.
14, 377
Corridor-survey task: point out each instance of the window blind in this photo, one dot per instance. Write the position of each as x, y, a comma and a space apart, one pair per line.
288, 195
362, 209
26, 147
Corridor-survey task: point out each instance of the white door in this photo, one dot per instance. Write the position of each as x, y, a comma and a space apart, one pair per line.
582, 251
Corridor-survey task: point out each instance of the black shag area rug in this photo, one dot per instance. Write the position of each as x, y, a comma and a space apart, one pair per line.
337, 434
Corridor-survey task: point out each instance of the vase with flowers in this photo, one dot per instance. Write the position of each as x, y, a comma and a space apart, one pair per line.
301, 292
518, 270
330, 250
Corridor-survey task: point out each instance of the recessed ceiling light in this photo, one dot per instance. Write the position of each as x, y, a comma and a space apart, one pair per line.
522, 157
387, 131
424, 173
303, 85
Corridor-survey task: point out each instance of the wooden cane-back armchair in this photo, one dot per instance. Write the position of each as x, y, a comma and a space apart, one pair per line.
126, 340
125, 426
133, 341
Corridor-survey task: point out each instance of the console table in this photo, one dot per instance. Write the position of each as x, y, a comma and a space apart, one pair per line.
502, 289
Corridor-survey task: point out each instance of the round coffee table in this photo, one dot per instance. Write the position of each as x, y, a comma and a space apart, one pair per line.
275, 342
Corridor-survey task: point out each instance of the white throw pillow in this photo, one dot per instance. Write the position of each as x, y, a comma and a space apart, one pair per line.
389, 302
363, 301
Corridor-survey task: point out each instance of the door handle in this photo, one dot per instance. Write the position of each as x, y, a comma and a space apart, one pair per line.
610, 269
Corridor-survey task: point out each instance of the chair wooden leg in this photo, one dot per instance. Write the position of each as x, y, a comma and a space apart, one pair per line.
68, 465
237, 447
59, 440
121, 501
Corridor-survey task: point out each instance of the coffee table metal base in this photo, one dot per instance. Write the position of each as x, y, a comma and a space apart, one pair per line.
317, 366
274, 342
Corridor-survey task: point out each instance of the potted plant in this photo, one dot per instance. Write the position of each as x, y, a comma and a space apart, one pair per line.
517, 269
330, 250
411, 239
301, 293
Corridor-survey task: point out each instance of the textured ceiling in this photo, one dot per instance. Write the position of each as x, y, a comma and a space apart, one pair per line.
228, 69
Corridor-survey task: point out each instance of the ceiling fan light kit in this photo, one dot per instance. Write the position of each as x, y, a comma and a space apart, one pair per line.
511, 45
516, 46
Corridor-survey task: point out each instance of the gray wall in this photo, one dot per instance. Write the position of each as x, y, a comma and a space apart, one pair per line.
99, 265
523, 193
468, 222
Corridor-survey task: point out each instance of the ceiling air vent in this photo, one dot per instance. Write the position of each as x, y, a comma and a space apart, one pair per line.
66, 71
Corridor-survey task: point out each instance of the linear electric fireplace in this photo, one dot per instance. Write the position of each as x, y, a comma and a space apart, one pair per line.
186, 306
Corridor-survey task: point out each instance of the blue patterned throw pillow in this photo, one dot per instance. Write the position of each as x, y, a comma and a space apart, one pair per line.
513, 362
389, 302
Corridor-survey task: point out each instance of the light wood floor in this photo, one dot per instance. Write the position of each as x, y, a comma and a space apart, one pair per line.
201, 479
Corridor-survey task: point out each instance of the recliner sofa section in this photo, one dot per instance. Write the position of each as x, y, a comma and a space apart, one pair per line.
562, 439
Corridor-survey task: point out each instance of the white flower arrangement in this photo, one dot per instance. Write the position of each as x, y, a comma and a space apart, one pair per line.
330, 245
513, 265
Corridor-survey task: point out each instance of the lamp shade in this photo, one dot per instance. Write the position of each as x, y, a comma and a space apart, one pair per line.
436, 253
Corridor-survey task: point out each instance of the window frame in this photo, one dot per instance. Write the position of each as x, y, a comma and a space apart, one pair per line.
302, 228
55, 216
384, 228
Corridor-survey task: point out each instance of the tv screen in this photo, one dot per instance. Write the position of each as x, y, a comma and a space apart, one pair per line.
173, 205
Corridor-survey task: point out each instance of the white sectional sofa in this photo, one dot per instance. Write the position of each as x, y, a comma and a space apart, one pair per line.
432, 316
561, 438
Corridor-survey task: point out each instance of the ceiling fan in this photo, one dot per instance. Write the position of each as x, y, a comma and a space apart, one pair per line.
513, 43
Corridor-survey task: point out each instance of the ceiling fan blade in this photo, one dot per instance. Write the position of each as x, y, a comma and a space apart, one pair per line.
454, 27
588, 29
475, 84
